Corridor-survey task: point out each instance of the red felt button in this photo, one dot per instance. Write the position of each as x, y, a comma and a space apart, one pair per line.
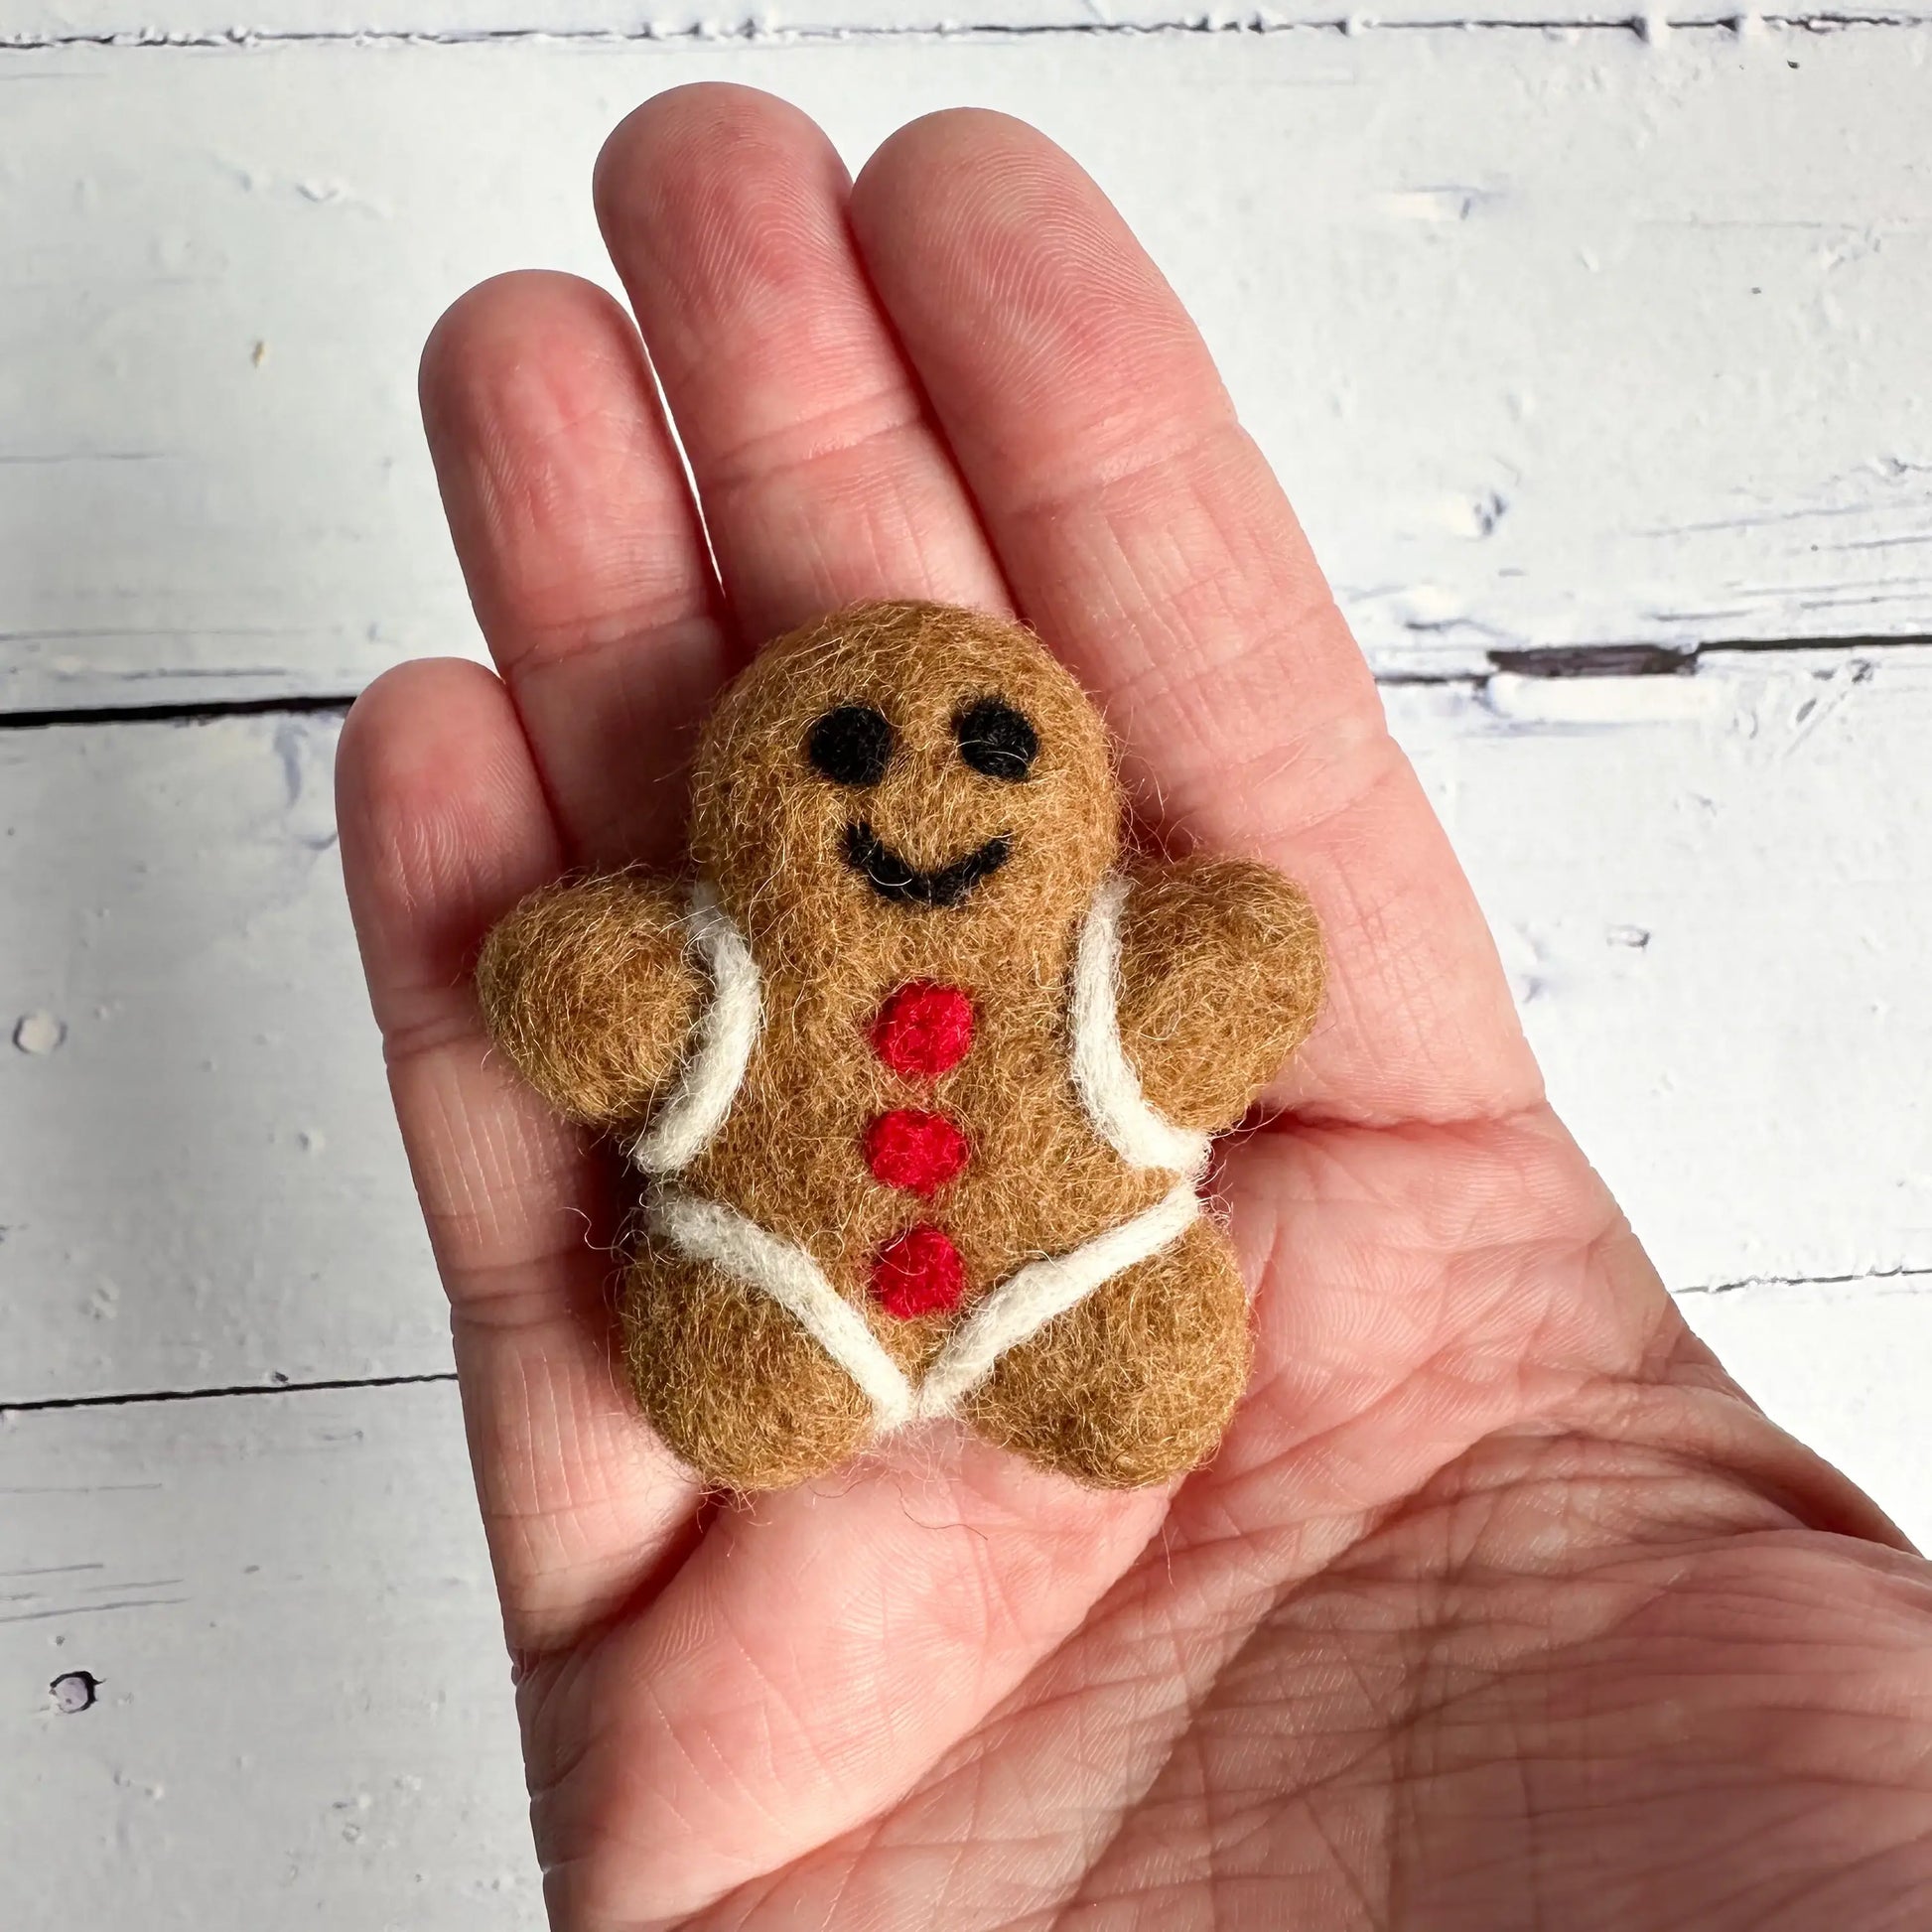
918, 1273
923, 1030
914, 1150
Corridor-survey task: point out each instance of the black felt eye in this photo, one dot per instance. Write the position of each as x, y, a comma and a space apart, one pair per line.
851, 745
997, 739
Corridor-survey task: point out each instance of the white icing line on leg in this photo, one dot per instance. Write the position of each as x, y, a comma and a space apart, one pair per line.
707, 1231
1107, 1086
1027, 1300
726, 1033
1021, 1304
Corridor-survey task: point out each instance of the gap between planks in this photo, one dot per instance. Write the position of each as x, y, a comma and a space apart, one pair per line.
1905, 1272
1555, 662
1919, 1281
748, 31
145, 1398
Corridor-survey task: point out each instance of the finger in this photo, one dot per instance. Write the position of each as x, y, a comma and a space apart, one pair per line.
444, 827
1143, 533
581, 550
820, 472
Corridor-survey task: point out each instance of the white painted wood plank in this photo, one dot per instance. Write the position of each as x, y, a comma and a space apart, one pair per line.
1842, 1365
203, 1182
1555, 338
1714, 894
38, 22
304, 1711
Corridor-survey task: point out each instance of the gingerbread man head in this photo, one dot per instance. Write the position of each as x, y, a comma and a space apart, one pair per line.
904, 774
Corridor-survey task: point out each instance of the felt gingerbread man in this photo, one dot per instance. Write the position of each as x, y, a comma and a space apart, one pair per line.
918, 1069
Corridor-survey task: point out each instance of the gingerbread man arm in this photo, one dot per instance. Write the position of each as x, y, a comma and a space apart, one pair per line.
1220, 980
587, 986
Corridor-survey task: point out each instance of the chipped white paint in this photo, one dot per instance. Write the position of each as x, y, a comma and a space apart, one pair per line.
202, 1185
1599, 337
38, 22
1555, 338
1715, 898
302, 1710
39, 1032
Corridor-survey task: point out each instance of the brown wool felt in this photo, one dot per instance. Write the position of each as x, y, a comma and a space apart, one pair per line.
1221, 978
1164, 1344
961, 739
587, 986
697, 1342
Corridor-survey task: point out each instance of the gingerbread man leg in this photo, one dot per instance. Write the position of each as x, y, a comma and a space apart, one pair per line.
1135, 1383
731, 1381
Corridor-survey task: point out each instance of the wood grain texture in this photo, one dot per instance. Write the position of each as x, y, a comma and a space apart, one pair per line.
303, 1713
1556, 340
1714, 894
203, 1183
1600, 339
32, 23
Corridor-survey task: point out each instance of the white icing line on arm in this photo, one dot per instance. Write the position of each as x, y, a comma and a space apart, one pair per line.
726, 1033
1106, 1084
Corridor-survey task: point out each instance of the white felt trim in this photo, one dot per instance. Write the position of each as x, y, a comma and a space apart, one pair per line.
1022, 1305
1027, 1301
726, 1034
1106, 1084
705, 1230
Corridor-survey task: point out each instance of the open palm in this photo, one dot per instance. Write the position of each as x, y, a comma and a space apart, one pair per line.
1500, 1606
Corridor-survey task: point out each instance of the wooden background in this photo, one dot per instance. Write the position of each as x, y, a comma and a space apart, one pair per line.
1597, 354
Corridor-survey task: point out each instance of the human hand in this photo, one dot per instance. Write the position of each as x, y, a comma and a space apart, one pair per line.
1500, 1605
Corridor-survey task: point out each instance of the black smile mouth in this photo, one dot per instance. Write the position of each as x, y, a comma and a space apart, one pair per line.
891, 878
